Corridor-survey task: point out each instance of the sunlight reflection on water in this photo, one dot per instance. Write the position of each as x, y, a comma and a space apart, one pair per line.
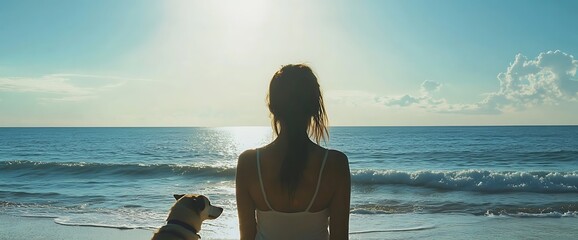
239, 139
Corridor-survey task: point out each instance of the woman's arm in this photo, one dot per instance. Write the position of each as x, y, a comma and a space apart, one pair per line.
339, 208
245, 205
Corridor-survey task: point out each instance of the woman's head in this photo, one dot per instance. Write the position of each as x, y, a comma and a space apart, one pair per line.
296, 103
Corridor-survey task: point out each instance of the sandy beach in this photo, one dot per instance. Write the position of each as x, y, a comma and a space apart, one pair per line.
460, 226
392, 226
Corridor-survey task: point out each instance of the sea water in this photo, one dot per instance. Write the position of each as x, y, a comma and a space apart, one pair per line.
407, 182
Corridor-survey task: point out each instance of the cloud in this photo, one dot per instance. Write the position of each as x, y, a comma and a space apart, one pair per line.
353, 98
548, 79
425, 100
419, 102
63, 87
403, 101
429, 86
44, 84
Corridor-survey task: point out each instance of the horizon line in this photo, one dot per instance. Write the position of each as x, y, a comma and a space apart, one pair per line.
339, 126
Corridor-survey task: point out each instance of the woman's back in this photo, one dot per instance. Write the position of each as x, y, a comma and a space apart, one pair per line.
270, 164
280, 217
305, 224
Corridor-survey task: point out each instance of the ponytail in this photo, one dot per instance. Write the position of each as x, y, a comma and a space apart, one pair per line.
297, 107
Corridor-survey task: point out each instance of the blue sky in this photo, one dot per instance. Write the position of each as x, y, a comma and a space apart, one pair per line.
208, 63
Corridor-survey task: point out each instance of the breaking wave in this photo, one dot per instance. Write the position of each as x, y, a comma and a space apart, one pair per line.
475, 180
462, 180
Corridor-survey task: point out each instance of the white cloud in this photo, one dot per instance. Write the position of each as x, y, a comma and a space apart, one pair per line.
549, 79
402, 101
44, 84
420, 102
63, 87
354, 98
429, 86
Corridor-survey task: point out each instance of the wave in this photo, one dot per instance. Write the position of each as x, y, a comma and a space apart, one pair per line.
475, 180
547, 210
534, 215
66, 222
408, 229
44, 169
463, 180
20, 194
495, 156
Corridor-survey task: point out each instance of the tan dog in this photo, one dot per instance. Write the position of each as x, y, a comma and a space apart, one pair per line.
186, 216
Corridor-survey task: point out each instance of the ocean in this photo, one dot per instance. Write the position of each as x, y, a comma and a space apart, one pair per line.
407, 182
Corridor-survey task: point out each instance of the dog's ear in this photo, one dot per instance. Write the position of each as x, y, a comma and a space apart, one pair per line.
178, 196
198, 204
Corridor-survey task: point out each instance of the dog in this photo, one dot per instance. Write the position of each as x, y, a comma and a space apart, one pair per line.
186, 216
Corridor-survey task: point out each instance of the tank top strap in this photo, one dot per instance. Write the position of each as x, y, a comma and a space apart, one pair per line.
318, 181
261, 181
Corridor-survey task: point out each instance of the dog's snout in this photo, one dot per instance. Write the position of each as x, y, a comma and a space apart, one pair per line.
215, 212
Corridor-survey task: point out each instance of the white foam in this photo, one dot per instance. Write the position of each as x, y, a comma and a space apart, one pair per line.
553, 214
475, 180
417, 228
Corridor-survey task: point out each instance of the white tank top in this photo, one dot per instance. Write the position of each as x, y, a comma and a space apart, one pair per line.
299, 225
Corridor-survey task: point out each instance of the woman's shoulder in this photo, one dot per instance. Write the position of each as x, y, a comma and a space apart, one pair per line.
246, 166
247, 156
336, 154
337, 160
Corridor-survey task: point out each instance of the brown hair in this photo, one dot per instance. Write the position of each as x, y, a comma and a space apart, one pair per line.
297, 108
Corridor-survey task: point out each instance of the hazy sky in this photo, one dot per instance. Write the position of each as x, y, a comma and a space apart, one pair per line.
208, 63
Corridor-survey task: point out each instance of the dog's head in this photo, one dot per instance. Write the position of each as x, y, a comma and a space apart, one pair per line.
193, 209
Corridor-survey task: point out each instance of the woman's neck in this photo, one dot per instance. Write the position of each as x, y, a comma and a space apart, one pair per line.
286, 135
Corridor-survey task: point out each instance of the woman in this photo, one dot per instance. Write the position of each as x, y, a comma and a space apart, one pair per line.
293, 188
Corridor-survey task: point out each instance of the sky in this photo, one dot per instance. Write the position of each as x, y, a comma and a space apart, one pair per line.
209, 63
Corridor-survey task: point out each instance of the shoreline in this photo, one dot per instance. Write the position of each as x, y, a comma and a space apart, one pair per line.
29, 228
377, 226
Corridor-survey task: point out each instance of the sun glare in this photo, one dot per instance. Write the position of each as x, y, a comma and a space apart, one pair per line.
238, 25
244, 14
228, 30
221, 15
249, 137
